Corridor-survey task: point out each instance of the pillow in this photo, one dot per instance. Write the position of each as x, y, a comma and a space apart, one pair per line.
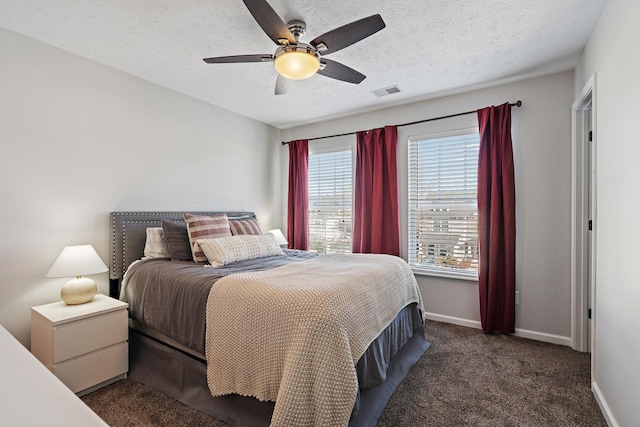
156, 246
223, 251
205, 227
178, 239
245, 226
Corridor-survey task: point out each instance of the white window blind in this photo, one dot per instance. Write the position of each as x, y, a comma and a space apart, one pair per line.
330, 201
443, 213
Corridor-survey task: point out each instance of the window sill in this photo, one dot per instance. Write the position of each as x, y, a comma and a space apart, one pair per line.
444, 274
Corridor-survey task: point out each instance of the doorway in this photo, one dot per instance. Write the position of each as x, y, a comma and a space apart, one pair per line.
583, 219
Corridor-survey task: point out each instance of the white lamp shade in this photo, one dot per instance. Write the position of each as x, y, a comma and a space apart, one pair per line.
77, 261
280, 239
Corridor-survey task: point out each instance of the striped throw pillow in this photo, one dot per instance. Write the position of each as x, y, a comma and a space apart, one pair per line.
245, 226
205, 227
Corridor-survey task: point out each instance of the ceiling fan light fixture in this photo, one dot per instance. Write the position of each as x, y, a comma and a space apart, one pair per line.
296, 62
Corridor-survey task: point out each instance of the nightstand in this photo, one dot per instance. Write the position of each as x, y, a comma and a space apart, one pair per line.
84, 345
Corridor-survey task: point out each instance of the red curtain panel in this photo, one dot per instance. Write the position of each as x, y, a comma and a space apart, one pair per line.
376, 224
496, 220
298, 204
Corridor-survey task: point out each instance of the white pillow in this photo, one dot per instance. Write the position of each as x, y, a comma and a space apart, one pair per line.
156, 245
225, 250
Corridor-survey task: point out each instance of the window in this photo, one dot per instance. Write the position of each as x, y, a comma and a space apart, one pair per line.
443, 213
330, 201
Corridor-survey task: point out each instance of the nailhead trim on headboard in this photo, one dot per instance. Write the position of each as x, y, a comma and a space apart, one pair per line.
128, 234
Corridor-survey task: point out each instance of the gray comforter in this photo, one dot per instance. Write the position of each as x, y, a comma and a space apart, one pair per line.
171, 296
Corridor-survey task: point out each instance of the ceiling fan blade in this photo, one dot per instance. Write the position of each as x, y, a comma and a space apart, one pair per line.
338, 71
349, 34
282, 85
269, 20
238, 58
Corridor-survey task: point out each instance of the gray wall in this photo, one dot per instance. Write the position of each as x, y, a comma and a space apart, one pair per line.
541, 132
613, 53
80, 140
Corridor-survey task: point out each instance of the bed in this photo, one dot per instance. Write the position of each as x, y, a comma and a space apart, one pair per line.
183, 314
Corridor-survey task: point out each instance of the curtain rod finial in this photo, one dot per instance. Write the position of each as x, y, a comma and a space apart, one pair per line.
518, 103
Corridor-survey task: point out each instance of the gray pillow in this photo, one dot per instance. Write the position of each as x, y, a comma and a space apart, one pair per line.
178, 238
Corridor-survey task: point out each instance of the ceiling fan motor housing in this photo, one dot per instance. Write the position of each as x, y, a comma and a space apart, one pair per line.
298, 28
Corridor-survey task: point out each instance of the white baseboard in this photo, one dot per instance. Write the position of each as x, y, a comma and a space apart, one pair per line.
524, 333
542, 336
604, 408
453, 320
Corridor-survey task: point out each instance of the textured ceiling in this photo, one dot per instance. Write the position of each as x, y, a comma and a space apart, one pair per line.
428, 48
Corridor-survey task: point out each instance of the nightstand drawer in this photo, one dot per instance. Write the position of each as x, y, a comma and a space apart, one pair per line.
76, 338
86, 371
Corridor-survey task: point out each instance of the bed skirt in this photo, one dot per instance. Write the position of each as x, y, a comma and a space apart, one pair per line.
184, 378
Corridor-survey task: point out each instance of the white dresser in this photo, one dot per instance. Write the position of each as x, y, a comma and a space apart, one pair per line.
84, 345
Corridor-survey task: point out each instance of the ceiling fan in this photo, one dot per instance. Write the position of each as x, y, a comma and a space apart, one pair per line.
297, 61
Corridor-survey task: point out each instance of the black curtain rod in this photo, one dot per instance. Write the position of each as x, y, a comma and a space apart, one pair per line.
518, 104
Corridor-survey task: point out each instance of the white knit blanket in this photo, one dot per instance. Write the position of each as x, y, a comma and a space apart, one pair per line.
293, 334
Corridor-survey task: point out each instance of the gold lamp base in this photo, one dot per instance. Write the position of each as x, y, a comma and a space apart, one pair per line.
78, 291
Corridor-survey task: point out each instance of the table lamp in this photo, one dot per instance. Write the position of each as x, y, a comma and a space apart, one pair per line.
77, 261
280, 239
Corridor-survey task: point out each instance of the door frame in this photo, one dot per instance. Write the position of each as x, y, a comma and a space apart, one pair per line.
583, 265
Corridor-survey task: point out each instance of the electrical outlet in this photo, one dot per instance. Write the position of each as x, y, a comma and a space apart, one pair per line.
517, 297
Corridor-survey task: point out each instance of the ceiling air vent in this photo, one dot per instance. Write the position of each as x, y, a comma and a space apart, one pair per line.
386, 91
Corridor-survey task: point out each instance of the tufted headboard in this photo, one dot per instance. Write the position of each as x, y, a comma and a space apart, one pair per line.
129, 232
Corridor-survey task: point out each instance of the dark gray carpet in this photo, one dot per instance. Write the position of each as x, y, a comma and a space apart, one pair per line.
465, 378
